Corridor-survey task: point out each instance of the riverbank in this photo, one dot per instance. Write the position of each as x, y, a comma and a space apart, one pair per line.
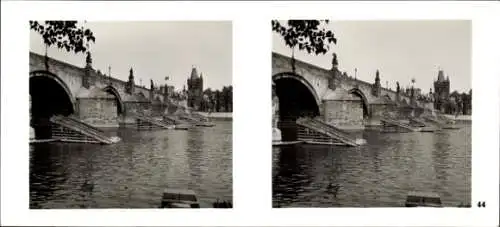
217, 115
460, 118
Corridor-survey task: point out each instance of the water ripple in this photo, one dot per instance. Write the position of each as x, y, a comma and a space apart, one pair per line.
134, 172
378, 174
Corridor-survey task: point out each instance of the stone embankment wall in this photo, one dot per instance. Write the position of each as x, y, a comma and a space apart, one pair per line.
217, 115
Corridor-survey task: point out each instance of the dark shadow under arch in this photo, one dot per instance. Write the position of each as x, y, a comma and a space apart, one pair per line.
49, 96
297, 98
366, 106
58, 80
300, 79
112, 90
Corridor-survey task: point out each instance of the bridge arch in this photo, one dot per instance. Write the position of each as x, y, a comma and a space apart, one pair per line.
113, 91
297, 98
290, 75
364, 102
49, 96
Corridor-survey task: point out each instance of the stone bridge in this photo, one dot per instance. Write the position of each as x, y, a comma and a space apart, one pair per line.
337, 98
59, 88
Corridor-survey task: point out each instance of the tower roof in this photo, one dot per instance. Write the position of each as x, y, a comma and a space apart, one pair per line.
194, 73
441, 75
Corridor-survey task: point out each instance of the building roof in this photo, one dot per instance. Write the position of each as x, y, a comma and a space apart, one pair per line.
440, 76
194, 73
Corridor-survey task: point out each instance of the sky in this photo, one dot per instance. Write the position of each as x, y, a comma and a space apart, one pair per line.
156, 50
400, 50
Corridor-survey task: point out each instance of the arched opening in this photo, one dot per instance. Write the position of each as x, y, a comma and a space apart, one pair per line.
49, 96
297, 98
119, 104
364, 102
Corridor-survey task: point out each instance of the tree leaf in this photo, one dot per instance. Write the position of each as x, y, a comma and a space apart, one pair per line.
63, 34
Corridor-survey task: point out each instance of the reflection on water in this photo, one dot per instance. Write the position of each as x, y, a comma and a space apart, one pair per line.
378, 174
134, 172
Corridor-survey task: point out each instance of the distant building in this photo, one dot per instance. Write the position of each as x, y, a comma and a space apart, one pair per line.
195, 90
170, 89
441, 92
418, 92
454, 103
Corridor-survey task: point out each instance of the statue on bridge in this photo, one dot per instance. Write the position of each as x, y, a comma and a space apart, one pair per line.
88, 60
397, 87
335, 62
152, 85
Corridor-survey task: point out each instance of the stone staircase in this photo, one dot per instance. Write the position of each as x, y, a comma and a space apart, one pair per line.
144, 122
417, 122
68, 129
441, 122
315, 131
389, 125
193, 120
179, 124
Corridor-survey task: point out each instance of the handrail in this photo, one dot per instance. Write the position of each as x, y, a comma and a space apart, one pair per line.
336, 131
81, 127
330, 126
398, 124
327, 129
152, 120
85, 124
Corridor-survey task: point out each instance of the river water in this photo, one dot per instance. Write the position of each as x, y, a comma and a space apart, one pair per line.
378, 174
134, 172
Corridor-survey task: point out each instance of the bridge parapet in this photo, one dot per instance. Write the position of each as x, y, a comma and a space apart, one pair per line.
318, 77
72, 75
97, 98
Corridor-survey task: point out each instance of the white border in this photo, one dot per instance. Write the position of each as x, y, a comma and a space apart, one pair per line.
252, 111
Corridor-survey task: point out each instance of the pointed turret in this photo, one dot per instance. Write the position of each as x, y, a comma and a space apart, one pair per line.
194, 73
440, 75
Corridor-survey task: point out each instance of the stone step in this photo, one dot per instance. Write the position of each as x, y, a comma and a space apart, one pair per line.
67, 129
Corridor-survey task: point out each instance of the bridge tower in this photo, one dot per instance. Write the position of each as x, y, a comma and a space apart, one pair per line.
195, 89
441, 91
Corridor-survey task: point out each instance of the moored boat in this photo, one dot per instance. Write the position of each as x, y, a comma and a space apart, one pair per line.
423, 199
179, 198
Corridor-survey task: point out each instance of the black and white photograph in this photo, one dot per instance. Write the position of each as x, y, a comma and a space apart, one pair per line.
130, 114
371, 113
253, 113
